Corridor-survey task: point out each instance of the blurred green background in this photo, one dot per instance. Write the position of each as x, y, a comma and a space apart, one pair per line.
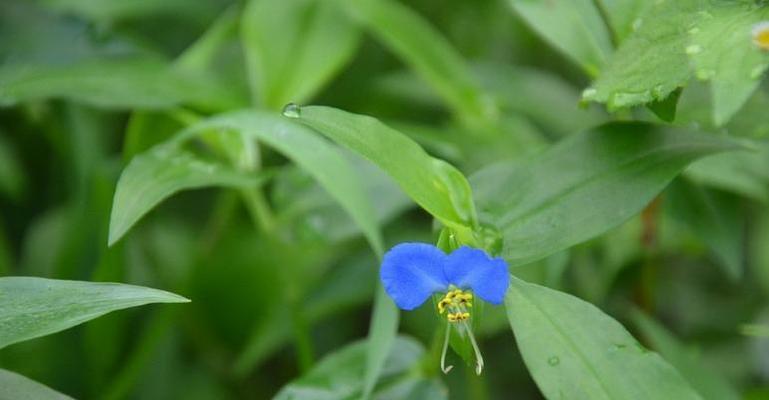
88, 84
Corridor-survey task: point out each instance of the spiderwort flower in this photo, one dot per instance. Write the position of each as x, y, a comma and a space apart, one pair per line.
412, 272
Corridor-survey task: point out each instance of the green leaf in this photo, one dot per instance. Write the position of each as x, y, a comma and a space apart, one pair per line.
622, 14
312, 153
159, 173
709, 383
723, 52
425, 50
435, 185
339, 375
112, 83
293, 48
304, 204
574, 27
381, 337
744, 173
573, 350
34, 307
17, 387
583, 186
544, 97
652, 62
714, 217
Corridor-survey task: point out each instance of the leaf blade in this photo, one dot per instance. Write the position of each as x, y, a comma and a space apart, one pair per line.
19, 387
33, 307
570, 346
583, 186
404, 160
319, 158
428, 53
574, 27
159, 173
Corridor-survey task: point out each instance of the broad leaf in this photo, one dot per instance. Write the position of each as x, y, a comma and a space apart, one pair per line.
159, 173
339, 376
424, 49
34, 307
583, 186
112, 83
723, 52
574, 27
293, 48
652, 62
17, 387
708, 382
433, 184
573, 350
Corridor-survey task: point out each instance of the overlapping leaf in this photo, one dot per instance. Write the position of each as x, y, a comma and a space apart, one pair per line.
583, 186
17, 387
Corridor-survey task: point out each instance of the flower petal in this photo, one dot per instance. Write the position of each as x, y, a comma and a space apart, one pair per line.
411, 272
472, 268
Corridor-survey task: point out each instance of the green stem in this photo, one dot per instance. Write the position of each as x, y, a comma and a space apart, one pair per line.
302, 339
260, 211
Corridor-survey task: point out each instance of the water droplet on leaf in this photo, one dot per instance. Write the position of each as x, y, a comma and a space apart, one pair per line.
292, 110
693, 49
658, 92
589, 93
705, 74
618, 346
553, 361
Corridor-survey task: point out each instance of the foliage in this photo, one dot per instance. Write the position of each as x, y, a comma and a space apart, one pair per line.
259, 157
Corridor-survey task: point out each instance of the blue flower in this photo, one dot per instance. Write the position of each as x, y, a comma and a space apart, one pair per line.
412, 272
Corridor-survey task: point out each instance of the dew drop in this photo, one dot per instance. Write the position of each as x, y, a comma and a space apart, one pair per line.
589, 93
553, 361
619, 100
658, 92
618, 346
693, 49
292, 110
756, 72
705, 74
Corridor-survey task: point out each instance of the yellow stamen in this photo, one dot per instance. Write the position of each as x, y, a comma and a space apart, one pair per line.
456, 301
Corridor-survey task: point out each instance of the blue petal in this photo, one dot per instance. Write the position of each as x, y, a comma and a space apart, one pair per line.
472, 268
411, 272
